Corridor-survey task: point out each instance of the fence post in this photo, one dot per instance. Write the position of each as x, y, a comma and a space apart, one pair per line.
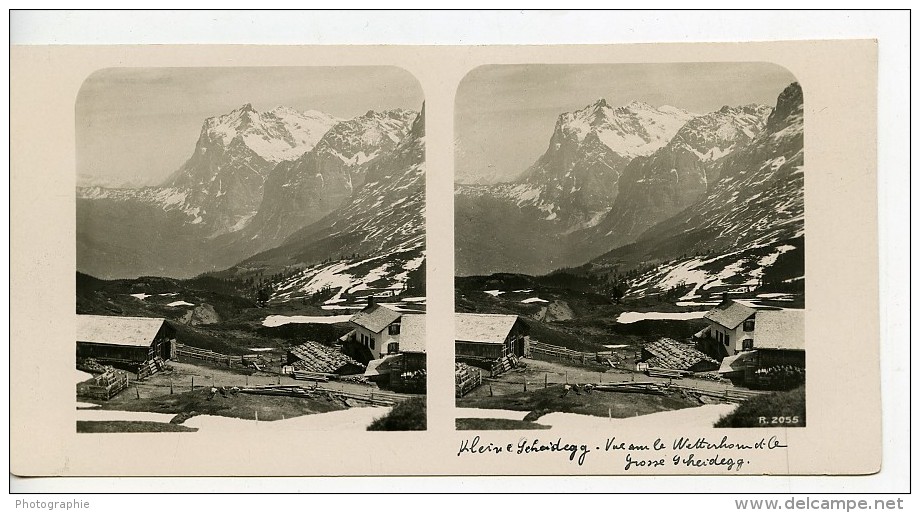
525, 384
137, 392
193, 383
490, 389
170, 387
544, 380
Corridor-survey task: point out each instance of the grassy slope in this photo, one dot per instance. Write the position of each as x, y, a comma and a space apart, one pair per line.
240, 324
241, 406
128, 426
541, 401
594, 323
790, 403
489, 424
409, 415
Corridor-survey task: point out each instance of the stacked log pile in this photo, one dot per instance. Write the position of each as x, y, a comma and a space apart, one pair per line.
466, 378
104, 386
318, 358
318, 392
667, 353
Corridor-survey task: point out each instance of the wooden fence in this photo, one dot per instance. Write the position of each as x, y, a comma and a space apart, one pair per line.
197, 353
602, 357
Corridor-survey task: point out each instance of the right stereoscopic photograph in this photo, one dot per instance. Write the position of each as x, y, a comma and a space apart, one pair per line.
630, 246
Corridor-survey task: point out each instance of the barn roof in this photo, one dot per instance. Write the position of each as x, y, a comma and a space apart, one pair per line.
375, 318
670, 354
729, 314
412, 333
118, 331
486, 328
780, 329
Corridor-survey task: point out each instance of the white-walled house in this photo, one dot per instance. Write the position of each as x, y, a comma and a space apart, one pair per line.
731, 325
733, 328
377, 328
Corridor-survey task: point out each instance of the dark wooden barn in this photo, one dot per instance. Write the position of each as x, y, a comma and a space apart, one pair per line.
490, 336
132, 340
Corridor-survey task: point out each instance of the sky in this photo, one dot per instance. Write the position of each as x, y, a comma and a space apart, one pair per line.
135, 126
505, 114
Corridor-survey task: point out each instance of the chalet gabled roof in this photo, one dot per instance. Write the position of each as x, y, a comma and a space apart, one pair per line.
375, 318
118, 331
484, 328
729, 314
780, 329
412, 333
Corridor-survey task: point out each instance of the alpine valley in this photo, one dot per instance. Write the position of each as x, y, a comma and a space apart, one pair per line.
295, 202
649, 200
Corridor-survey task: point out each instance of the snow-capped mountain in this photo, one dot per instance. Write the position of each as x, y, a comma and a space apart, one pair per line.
253, 179
658, 186
753, 208
578, 175
375, 239
234, 155
570, 187
300, 192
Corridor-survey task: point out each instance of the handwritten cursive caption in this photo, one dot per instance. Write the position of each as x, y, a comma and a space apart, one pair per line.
686, 452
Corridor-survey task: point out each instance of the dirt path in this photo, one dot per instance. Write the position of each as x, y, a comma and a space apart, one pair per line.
180, 378
556, 372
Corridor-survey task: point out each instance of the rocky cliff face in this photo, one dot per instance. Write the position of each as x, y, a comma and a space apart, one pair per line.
375, 239
752, 208
253, 179
658, 186
300, 192
570, 187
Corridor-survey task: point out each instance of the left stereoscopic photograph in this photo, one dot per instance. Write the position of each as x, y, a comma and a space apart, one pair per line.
250, 250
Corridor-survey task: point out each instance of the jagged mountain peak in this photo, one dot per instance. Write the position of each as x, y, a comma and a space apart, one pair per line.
631, 130
788, 107
282, 133
717, 133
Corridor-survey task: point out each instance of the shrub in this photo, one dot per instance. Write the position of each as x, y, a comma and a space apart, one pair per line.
409, 415
760, 411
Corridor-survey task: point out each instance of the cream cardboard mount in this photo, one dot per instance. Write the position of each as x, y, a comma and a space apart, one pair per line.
838, 82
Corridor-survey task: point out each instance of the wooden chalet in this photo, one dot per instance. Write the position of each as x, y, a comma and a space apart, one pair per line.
491, 341
125, 340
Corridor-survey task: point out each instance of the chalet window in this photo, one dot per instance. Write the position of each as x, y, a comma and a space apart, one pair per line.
394, 329
747, 344
749, 325
728, 339
372, 342
393, 347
